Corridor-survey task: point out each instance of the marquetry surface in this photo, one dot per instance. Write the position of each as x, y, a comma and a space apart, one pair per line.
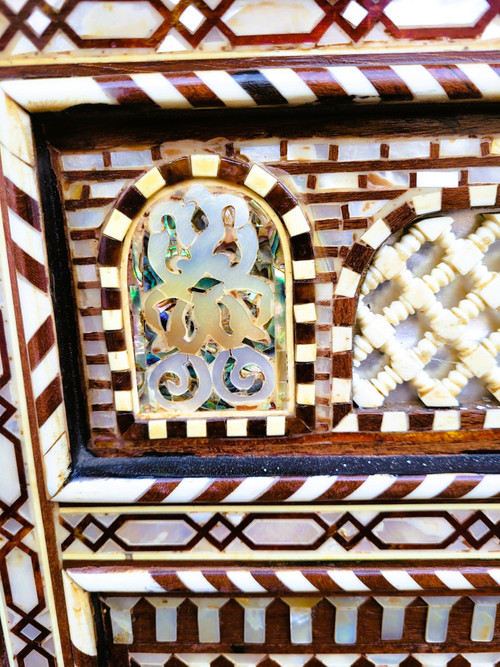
328, 534
21, 568
102, 537
78, 27
389, 624
289, 586
343, 187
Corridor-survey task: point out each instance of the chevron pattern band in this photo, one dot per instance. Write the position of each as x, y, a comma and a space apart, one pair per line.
269, 86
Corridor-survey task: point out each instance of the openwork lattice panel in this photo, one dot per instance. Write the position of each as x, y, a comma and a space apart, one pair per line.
428, 317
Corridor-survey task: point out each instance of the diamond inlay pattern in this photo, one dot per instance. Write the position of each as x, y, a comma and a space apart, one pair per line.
29, 624
57, 26
352, 531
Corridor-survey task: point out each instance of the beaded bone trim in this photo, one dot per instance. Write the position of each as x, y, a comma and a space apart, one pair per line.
447, 326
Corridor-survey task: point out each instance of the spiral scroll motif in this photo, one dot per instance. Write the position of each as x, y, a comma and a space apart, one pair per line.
251, 376
181, 381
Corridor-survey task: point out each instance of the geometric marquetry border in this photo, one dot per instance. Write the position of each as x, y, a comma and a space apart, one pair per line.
335, 533
282, 489
110, 257
23, 552
172, 22
37, 416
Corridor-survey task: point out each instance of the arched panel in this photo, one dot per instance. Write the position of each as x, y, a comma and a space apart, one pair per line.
419, 296
207, 271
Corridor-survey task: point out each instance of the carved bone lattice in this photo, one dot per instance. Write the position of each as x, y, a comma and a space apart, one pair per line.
477, 358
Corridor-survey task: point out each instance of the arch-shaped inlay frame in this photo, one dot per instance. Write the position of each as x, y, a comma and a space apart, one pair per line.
411, 206
129, 205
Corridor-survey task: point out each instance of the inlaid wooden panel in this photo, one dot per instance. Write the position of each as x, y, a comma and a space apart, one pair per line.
355, 195
340, 534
